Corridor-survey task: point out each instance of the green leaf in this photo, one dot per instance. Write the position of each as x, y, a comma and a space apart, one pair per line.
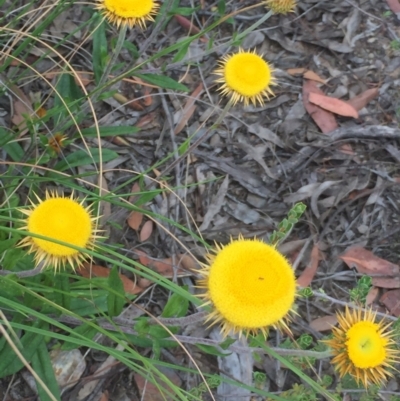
41, 364
63, 297
184, 11
210, 349
14, 150
108, 131
100, 50
115, 303
181, 52
85, 330
9, 362
227, 343
82, 158
163, 82
67, 92
177, 306
131, 48
86, 307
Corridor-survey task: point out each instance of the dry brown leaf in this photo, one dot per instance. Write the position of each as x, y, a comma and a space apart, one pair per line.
325, 120
146, 231
296, 71
361, 100
165, 266
135, 190
88, 270
135, 220
386, 282
394, 5
314, 77
391, 300
189, 109
308, 273
367, 263
187, 24
333, 105
324, 323
372, 296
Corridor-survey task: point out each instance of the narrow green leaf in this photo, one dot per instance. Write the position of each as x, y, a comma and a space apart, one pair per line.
177, 306
115, 303
14, 150
100, 51
108, 131
181, 52
210, 349
9, 362
163, 82
82, 158
41, 363
85, 330
63, 297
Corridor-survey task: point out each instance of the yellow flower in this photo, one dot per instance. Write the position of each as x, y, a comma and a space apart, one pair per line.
128, 12
250, 286
246, 77
63, 219
281, 6
363, 348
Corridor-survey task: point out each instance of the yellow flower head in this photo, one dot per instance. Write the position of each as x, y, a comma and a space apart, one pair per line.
250, 286
362, 348
63, 219
281, 6
246, 77
128, 12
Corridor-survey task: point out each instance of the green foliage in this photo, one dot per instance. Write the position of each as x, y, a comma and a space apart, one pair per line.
360, 292
212, 382
286, 225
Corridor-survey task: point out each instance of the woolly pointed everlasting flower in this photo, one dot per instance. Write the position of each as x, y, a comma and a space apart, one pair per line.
128, 12
363, 348
245, 77
250, 286
281, 6
63, 219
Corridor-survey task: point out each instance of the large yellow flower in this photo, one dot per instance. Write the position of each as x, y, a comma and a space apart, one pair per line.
63, 219
250, 286
281, 6
363, 348
128, 12
246, 77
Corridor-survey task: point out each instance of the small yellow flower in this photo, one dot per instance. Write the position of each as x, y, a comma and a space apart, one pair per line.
128, 12
363, 348
250, 286
63, 219
246, 77
281, 6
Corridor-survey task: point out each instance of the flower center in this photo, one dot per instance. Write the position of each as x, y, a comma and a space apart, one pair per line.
251, 284
247, 73
129, 8
365, 345
62, 219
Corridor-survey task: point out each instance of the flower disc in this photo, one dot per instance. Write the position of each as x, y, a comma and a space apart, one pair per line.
63, 219
251, 286
281, 6
245, 76
128, 12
